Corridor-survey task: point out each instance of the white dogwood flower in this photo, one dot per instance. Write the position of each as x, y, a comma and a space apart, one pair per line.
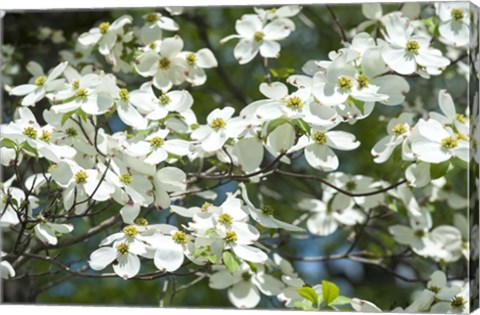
195, 63
405, 52
41, 86
244, 285
47, 231
454, 26
6, 269
106, 34
255, 37
154, 24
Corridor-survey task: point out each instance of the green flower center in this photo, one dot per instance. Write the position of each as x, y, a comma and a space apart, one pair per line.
294, 102
164, 99
258, 36
461, 118
412, 46
191, 59
130, 231
30, 132
40, 80
449, 143
320, 138
81, 177
457, 14
246, 276
420, 233
205, 206
180, 237
351, 185
122, 248
46, 136
399, 129
458, 302
225, 219
125, 179
81, 94
71, 132
152, 45
157, 142
362, 81
268, 209
218, 123
77, 55
151, 17
345, 83
104, 27
230, 237
164, 63
434, 289
123, 94
76, 84
141, 221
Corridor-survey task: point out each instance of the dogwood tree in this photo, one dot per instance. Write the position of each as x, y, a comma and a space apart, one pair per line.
111, 153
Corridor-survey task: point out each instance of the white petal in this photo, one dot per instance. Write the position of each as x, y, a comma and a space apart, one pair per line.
130, 212
321, 157
206, 59
127, 266
399, 60
274, 90
244, 295
169, 255
249, 253
102, 257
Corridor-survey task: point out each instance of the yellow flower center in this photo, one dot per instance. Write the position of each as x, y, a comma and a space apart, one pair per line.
164, 99
30, 132
152, 45
122, 248
225, 219
76, 84
130, 231
230, 237
104, 27
40, 80
320, 138
461, 118
362, 81
164, 63
81, 177
460, 136
268, 209
345, 83
258, 36
141, 221
46, 136
218, 123
191, 59
81, 94
294, 102
126, 179
157, 142
457, 14
412, 46
71, 132
205, 206
449, 143
151, 17
123, 94
180, 237
458, 302
399, 129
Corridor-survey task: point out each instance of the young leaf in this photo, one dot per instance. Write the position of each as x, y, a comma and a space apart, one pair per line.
230, 262
330, 292
309, 294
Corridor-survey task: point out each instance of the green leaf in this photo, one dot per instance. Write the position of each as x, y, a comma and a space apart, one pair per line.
358, 104
212, 258
330, 292
67, 116
342, 300
439, 170
7, 143
304, 305
302, 126
309, 294
230, 262
276, 123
